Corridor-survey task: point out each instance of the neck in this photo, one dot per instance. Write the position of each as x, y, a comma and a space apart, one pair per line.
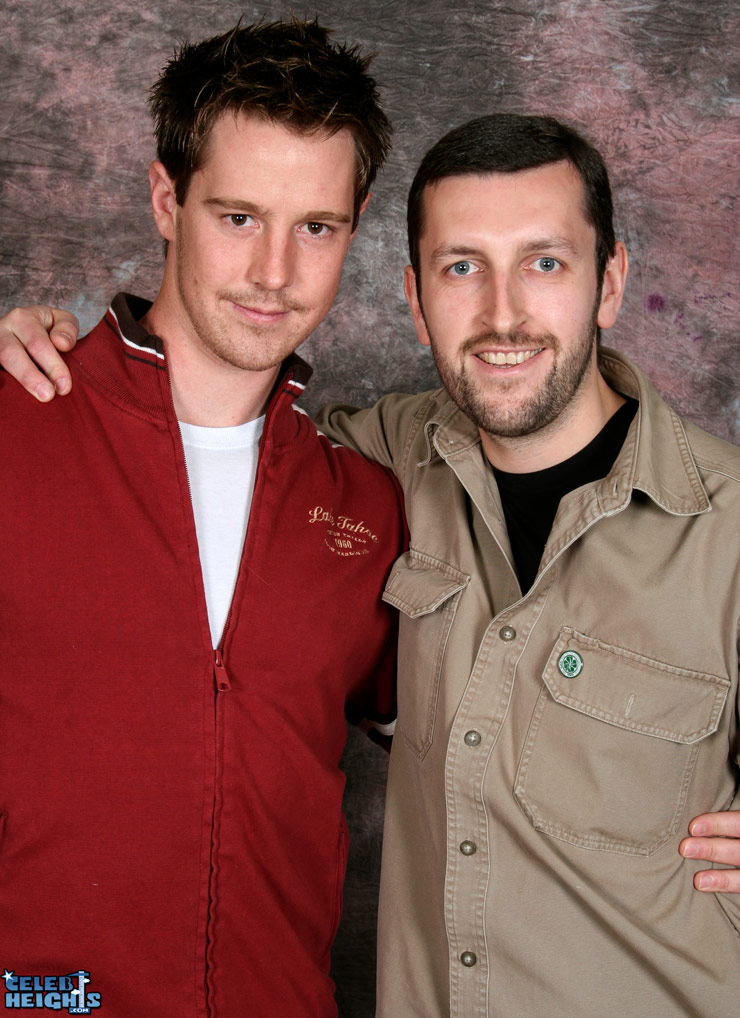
571, 431
206, 390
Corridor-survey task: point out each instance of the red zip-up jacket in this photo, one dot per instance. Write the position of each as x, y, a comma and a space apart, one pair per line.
171, 815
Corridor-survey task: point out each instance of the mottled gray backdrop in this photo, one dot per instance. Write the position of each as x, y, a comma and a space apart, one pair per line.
656, 83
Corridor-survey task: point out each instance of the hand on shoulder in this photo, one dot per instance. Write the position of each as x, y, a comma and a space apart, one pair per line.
30, 341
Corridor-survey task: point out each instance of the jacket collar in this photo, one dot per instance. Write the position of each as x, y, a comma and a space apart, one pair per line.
656, 457
137, 346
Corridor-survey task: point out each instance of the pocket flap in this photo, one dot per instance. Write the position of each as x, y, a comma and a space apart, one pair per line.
634, 692
419, 584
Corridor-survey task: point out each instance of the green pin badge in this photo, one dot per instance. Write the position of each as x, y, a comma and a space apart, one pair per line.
570, 664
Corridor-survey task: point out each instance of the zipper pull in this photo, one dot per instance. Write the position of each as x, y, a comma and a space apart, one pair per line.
220, 673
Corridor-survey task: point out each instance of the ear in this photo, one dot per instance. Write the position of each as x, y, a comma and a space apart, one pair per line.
164, 203
359, 216
612, 288
412, 296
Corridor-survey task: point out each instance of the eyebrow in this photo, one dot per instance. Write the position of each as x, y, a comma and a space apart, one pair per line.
554, 243
250, 207
447, 251
459, 251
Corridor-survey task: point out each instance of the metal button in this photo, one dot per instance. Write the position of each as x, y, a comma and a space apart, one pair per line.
468, 847
507, 633
472, 738
468, 959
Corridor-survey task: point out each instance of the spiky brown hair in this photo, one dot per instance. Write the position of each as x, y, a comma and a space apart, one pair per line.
285, 71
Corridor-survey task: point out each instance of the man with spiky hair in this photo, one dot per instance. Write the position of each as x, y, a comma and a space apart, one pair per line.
176, 671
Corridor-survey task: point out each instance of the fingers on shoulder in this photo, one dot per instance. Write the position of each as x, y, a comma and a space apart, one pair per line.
28, 354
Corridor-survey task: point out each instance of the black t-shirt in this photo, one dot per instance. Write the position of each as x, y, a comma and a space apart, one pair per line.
530, 501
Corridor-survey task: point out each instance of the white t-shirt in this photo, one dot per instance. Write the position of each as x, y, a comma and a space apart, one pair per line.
222, 465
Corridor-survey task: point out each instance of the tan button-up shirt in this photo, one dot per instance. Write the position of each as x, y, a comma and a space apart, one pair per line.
551, 748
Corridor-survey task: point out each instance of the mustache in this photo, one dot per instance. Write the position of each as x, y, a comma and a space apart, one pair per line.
516, 340
272, 300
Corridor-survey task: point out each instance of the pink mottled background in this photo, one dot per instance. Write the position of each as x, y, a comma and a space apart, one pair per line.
656, 83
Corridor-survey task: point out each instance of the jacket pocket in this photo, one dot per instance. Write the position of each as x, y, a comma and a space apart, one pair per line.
426, 591
612, 745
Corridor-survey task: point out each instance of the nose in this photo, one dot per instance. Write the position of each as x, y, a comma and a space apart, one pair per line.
503, 307
271, 260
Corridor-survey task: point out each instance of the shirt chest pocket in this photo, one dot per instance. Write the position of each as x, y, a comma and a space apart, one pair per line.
612, 745
426, 591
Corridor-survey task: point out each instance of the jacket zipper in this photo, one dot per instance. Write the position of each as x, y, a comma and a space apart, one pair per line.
220, 673
223, 685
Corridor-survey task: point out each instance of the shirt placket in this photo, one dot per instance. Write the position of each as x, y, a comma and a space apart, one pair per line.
474, 732
471, 751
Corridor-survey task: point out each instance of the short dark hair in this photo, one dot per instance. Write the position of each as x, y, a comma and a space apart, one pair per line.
284, 71
507, 143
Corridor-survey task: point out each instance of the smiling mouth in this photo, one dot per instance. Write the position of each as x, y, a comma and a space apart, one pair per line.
512, 357
253, 304
260, 316
267, 312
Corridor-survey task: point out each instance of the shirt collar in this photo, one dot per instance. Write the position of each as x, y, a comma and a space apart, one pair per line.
656, 457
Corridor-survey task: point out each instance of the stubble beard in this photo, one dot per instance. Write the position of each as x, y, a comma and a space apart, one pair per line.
244, 345
547, 403
249, 346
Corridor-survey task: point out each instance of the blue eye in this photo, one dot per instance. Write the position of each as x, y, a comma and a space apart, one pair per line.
546, 264
461, 269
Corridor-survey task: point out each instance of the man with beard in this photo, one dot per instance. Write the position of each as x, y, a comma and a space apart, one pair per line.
570, 609
569, 618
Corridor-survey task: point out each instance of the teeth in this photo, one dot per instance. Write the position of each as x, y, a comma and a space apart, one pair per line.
512, 357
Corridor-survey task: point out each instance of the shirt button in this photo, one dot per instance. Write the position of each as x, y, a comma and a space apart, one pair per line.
472, 738
507, 633
468, 847
468, 959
